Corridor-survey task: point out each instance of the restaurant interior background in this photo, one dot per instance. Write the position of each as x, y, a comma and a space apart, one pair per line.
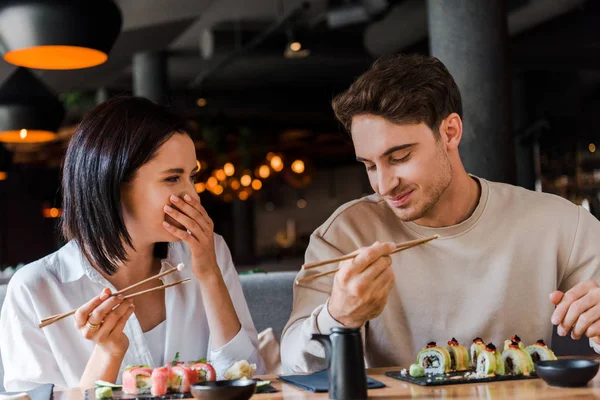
256, 78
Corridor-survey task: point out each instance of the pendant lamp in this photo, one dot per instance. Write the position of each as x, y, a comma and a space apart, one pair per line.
29, 111
58, 34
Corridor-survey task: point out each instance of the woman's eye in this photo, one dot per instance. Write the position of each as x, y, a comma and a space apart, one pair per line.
172, 179
193, 178
371, 167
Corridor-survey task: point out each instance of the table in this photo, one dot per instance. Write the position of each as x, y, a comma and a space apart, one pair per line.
522, 390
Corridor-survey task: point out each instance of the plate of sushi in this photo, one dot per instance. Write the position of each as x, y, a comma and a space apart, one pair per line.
454, 364
172, 381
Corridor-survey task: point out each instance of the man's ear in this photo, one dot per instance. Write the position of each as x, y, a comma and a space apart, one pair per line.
451, 131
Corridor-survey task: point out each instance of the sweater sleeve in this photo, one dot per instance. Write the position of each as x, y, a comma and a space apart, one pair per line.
309, 313
584, 259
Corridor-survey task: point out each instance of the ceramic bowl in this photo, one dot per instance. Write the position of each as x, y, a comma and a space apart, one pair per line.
568, 372
241, 389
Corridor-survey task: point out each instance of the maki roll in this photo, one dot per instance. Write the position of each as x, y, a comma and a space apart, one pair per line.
434, 359
459, 356
540, 352
160, 381
516, 360
487, 361
477, 347
205, 371
137, 380
181, 378
516, 339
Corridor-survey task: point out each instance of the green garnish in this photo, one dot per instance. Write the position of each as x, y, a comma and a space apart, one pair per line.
104, 392
100, 383
176, 359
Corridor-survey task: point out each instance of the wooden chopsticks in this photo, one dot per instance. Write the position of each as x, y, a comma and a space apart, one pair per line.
399, 247
50, 320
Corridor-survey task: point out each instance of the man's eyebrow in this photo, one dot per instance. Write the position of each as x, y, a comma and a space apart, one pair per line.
390, 151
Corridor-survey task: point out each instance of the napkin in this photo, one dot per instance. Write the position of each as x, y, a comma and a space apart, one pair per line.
319, 382
42, 392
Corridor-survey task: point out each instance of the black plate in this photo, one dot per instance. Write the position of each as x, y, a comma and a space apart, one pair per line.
455, 378
90, 394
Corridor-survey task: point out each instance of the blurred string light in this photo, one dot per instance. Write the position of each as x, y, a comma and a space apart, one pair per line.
592, 148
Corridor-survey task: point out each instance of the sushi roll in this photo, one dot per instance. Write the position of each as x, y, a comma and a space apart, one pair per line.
160, 381
515, 339
517, 361
540, 352
434, 359
137, 380
487, 361
477, 347
181, 378
205, 371
459, 356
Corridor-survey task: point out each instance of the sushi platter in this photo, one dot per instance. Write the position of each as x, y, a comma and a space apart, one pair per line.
173, 381
454, 378
90, 394
454, 364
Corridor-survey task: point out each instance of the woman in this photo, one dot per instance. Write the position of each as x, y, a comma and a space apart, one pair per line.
130, 212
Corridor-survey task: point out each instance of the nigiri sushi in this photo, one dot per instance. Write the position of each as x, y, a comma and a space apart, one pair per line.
137, 380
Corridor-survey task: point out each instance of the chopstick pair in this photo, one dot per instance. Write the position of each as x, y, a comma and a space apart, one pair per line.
399, 247
54, 318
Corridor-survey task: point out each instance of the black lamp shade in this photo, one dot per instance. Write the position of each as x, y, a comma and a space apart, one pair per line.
29, 111
58, 34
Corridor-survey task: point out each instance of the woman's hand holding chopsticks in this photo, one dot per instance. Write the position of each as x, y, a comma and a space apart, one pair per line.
102, 320
362, 285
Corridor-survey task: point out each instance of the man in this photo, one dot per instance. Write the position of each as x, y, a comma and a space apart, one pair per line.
505, 258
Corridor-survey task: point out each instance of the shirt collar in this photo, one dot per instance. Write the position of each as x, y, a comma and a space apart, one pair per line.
73, 265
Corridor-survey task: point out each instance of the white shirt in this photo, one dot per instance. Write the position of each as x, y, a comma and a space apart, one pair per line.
156, 342
64, 281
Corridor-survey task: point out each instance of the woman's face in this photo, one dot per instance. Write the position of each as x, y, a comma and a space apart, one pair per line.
171, 171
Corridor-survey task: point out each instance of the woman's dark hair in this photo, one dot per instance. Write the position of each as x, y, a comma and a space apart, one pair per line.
111, 143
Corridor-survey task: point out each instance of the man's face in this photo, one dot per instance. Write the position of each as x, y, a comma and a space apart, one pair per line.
406, 164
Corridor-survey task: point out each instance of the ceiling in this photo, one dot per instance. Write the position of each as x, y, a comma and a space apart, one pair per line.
270, 93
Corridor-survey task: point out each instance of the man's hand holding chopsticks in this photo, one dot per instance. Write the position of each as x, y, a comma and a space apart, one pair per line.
578, 311
362, 285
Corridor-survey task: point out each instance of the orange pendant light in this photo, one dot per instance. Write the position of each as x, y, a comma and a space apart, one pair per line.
29, 111
58, 34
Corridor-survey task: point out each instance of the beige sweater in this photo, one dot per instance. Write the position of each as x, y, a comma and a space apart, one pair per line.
489, 276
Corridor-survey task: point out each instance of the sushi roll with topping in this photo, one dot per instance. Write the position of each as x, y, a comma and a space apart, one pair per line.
540, 352
487, 362
477, 347
181, 378
515, 339
160, 381
459, 356
205, 371
516, 360
137, 380
434, 359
